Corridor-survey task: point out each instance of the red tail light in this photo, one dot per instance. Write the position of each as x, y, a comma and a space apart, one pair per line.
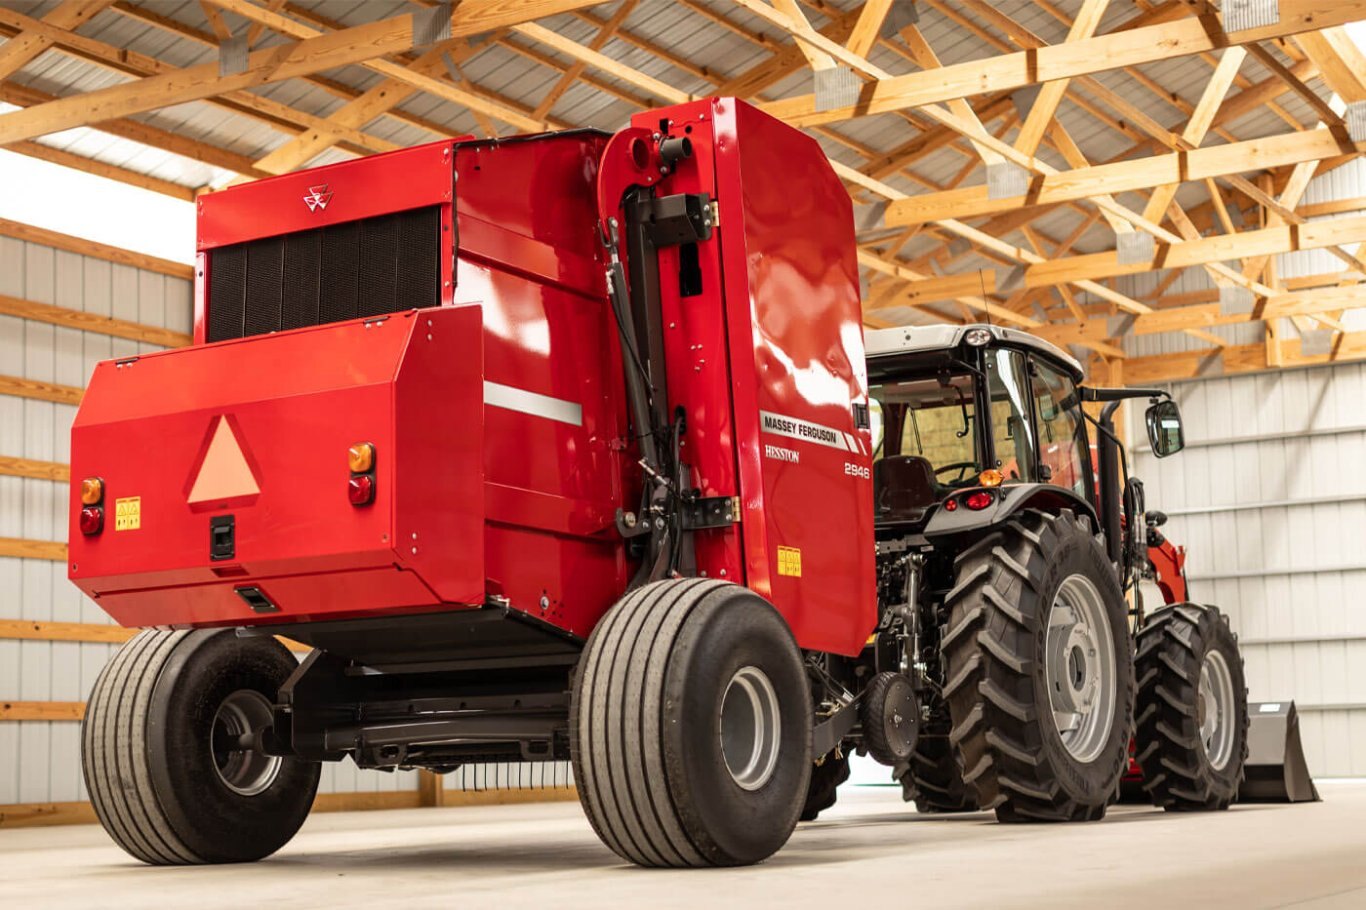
361, 490
951, 505
979, 500
92, 520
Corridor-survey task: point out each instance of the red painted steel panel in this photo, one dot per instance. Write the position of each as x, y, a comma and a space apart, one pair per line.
347, 191
797, 365
295, 402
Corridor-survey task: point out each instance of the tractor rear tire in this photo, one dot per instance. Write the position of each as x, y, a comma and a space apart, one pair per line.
934, 780
1192, 724
1037, 644
825, 780
690, 726
158, 749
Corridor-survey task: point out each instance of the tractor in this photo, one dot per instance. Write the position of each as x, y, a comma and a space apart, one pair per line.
1027, 676
563, 448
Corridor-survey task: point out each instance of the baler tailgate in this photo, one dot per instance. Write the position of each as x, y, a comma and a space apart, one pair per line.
225, 469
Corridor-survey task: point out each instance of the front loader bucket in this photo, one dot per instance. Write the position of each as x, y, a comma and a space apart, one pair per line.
1276, 769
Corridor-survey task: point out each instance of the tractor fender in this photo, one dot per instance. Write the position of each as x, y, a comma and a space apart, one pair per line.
1008, 501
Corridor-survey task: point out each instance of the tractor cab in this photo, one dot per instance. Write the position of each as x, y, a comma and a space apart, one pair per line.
958, 408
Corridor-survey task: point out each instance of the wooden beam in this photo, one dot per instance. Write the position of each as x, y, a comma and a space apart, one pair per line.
91, 322
1135, 47
39, 391
606, 32
22, 548
28, 46
352, 115
134, 131
1219, 248
1339, 59
869, 24
467, 19
102, 169
1127, 176
34, 469
41, 710
87, 632
1051, 95
56, 240
431, 789
1249, 358
125, 62
602, 63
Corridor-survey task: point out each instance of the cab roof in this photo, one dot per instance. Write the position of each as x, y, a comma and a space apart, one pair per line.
923, 339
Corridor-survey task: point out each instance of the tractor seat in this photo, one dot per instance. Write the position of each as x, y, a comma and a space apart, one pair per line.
903, 488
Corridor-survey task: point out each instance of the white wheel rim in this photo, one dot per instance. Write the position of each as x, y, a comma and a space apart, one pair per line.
1079, 668
246, 772
749, 728
1215, 710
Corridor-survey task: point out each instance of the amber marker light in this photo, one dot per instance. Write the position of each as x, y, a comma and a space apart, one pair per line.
92, 491
361, 457
991, 478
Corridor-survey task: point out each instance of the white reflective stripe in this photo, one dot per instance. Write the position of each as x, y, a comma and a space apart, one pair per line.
805, 431
533, 403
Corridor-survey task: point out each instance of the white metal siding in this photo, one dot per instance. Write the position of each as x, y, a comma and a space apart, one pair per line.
1270, 499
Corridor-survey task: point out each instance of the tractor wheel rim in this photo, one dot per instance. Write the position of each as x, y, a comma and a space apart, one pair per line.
246, 772
1216, 710
1080, 668
749, 728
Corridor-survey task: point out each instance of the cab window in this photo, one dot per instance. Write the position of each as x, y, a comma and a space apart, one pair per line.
1012, 431
1062, 437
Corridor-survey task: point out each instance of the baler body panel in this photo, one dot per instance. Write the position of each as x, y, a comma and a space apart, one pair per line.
500, 415
778, 333
258, 429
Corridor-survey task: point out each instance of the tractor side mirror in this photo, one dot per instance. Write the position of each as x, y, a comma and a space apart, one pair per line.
1164, 428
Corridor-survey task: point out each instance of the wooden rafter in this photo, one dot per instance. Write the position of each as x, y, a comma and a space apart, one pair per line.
1249, 209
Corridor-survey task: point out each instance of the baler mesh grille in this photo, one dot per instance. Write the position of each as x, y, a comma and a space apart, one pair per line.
359, 268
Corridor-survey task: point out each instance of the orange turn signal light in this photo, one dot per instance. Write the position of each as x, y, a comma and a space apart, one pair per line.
92, 491
991, 478
361, 457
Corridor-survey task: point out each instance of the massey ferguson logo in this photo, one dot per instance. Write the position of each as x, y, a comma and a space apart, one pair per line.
318, 197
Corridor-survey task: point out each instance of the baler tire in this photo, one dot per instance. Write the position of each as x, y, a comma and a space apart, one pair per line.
147, 754
934, 780
995, 648
644, 715
825, 780
1178, 773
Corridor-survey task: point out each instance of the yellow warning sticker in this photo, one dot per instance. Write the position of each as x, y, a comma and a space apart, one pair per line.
128, 513
790, 561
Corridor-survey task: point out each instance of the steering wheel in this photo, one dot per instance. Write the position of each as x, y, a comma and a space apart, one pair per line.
960, 466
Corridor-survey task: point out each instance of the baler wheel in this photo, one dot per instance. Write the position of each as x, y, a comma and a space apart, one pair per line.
690, 726
162, 749
934, 780
1039, 670
1191, 736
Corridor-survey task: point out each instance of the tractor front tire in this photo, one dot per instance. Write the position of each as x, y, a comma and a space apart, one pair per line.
1191, 738
934, 781
690, 726
161, 749
1039, 670
825, 781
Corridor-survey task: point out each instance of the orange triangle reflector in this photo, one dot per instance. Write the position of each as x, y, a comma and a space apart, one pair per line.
224, 473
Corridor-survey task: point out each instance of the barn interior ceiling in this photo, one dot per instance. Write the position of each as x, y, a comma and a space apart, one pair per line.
1023, 161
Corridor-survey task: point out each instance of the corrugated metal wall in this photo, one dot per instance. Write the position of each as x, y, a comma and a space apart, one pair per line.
40, 760
1270, 499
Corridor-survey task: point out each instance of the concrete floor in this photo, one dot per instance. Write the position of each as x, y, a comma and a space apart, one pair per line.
873, 851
